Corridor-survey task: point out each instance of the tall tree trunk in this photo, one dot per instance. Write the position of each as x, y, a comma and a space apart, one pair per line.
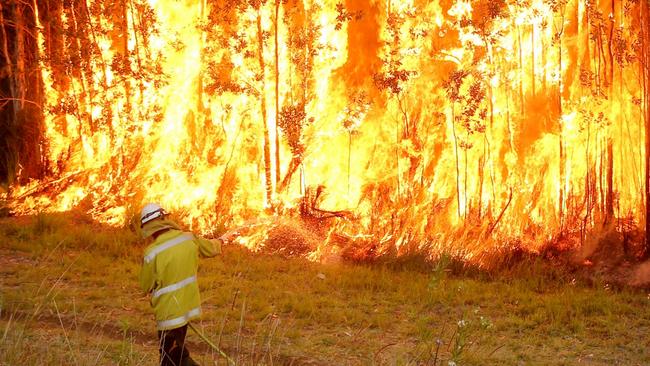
588, 193
277, 94
532, 58
294, 164
543, 40
9, 113
561, 138
491, 126
481, 169
199, 84
19, 55
397, 147
609, 206
521, 73
34, 153
349, 158
453, 124
267, 140
9, 64
83, 98
134, 24
609, 43
645, 49
119, 44
21, 115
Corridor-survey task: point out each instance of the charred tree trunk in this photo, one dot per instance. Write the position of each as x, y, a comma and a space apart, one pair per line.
21, 113
10, 106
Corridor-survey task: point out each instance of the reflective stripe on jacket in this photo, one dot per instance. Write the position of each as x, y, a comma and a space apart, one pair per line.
169, 274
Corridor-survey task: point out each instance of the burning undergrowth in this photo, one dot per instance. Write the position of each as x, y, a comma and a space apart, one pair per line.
414, 231
611, 254
284, 236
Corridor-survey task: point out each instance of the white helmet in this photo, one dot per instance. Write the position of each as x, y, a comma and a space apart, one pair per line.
151, 211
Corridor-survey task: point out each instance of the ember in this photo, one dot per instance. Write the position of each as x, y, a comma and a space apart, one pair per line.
462, 127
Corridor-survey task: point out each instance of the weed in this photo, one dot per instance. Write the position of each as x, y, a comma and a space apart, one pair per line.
439, 270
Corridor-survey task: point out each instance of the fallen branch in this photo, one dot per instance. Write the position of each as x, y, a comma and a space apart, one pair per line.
493, 226
45, 185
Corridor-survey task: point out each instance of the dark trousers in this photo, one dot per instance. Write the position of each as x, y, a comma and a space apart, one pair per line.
172, 346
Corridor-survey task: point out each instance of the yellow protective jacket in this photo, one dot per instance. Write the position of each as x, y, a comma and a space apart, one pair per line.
169, 274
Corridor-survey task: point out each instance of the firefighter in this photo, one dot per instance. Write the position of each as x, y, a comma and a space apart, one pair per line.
168, 273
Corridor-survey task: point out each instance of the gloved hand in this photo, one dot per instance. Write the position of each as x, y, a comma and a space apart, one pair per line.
217, 241
227, 238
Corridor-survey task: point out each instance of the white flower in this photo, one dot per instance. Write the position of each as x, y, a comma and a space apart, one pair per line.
462, 323
485, 323
451, 363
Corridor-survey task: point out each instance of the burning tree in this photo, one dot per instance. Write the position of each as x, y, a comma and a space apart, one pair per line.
353, 115
471, 116
293, 117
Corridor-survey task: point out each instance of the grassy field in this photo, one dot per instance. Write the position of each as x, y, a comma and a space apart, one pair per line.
69, 296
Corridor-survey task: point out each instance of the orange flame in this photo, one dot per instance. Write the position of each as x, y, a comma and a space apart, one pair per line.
425, 120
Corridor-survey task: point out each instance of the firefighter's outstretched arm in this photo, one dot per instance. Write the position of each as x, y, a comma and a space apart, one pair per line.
208, 248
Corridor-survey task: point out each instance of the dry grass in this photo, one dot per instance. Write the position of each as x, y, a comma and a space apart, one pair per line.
69, 296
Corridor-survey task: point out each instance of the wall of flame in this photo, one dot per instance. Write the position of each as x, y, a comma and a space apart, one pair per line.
557, 105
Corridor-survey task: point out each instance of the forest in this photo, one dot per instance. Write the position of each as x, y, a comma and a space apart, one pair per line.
449, 126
